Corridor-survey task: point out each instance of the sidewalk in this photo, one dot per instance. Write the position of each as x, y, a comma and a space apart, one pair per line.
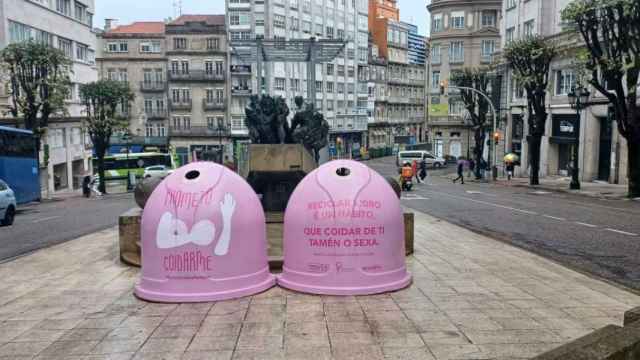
472, 298
561, 184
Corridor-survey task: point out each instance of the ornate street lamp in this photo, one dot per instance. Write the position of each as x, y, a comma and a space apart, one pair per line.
579, 100
220, 123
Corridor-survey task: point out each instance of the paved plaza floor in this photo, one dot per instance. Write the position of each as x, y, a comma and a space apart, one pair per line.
472, 298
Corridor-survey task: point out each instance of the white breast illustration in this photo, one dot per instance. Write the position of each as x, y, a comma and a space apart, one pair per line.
173, 232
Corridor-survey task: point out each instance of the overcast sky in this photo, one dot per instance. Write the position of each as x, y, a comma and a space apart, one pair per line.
127, 11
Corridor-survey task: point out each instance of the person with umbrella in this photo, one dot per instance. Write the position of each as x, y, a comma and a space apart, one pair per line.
510, 163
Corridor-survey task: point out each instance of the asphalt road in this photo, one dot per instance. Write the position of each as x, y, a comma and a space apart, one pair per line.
49, 223
597, 236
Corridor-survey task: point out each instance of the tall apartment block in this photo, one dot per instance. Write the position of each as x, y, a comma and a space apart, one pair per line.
396, 84
178, 72
341, 86
66, 25
464, 34
417, 53
136, 54
602, 150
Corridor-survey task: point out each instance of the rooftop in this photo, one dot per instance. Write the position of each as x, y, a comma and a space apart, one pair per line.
208, 19
139, 27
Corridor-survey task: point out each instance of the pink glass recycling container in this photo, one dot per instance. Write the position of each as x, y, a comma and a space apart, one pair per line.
203, 238
344, 233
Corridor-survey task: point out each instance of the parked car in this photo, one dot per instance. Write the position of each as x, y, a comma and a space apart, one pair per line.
7, 204
418, 155
160, 171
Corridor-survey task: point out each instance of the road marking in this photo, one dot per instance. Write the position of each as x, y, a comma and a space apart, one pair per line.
587, 225
621, 232
540, 192
491, 204
474, 192
414, 197
554, 218
46, 219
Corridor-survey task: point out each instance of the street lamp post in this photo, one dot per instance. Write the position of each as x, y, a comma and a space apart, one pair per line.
578, 99
220, 130
127, 139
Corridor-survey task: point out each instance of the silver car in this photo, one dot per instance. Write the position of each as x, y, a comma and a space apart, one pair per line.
417, 155
7, 204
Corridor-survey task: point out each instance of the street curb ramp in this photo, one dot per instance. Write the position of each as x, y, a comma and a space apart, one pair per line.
611, 342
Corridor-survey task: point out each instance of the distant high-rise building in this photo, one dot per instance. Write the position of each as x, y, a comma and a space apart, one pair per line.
341, 86
417, 53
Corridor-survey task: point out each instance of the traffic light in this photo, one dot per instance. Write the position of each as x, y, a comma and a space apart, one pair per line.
496, 137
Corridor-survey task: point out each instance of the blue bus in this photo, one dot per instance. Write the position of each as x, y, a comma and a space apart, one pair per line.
19, 164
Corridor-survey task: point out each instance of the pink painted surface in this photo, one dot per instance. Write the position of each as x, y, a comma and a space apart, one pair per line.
344, 235
203, 238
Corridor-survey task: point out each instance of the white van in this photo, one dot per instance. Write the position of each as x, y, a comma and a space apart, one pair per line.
417, 155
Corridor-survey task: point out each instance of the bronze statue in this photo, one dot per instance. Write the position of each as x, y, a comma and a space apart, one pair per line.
267, 123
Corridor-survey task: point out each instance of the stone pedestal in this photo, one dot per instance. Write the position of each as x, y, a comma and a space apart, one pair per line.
129, 237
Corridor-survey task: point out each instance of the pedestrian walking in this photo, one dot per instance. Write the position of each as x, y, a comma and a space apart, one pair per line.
510, 167
414, 168
460, 172
423, 170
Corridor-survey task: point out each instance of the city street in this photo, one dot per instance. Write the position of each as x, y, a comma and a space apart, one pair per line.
599, 237
40, 225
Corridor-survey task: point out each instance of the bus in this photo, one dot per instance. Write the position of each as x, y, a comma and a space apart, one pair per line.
117, 166
19, 164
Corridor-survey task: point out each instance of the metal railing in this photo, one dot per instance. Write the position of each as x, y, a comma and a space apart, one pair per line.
153, 86
209, 131
156, 114
182, 105
213, 104
196, 75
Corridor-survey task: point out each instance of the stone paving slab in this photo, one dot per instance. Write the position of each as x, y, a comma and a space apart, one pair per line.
472, 298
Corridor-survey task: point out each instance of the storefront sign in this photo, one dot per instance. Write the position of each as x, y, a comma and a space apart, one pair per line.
344, 233
203, 238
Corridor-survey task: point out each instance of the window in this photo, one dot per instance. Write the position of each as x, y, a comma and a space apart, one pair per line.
437, 23
456, 51
435, 80
82, 52
565, 82
529, 28
306, 26
511, 4
179, 43
319, 29
330, 87
279, 21
488, 18
435, 54
19, 32
66, 46
457, 19
487, 49
280, 84
64, 7
184, 66
239, 18
80, 12
150, 47
329, 32
208, 67
340, 88
319, 86
330, 69
294, 24
340, 34
340, 70
351, 71
510, 33
259, 19
294, 84
213, 44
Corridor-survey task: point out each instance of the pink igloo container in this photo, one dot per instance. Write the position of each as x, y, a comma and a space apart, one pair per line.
344, 233
203, 238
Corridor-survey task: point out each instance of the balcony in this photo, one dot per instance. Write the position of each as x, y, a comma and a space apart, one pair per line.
241, 90
213, 104
196, 75
153, 86
199, 131
240, 69
156, 114
182, 105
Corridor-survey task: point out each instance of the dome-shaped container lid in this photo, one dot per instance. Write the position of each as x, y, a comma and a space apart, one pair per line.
344, 233
203, 238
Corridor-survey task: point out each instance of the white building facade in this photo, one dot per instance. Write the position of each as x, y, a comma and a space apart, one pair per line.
66, 25
602, 151
341, 86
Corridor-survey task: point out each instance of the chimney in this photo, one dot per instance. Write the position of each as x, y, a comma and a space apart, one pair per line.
110, 23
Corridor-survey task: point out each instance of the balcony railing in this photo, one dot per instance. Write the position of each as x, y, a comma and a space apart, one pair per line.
197, 131
153, 86
241, 90
182, 105
213, 104
196, 75
156, 114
